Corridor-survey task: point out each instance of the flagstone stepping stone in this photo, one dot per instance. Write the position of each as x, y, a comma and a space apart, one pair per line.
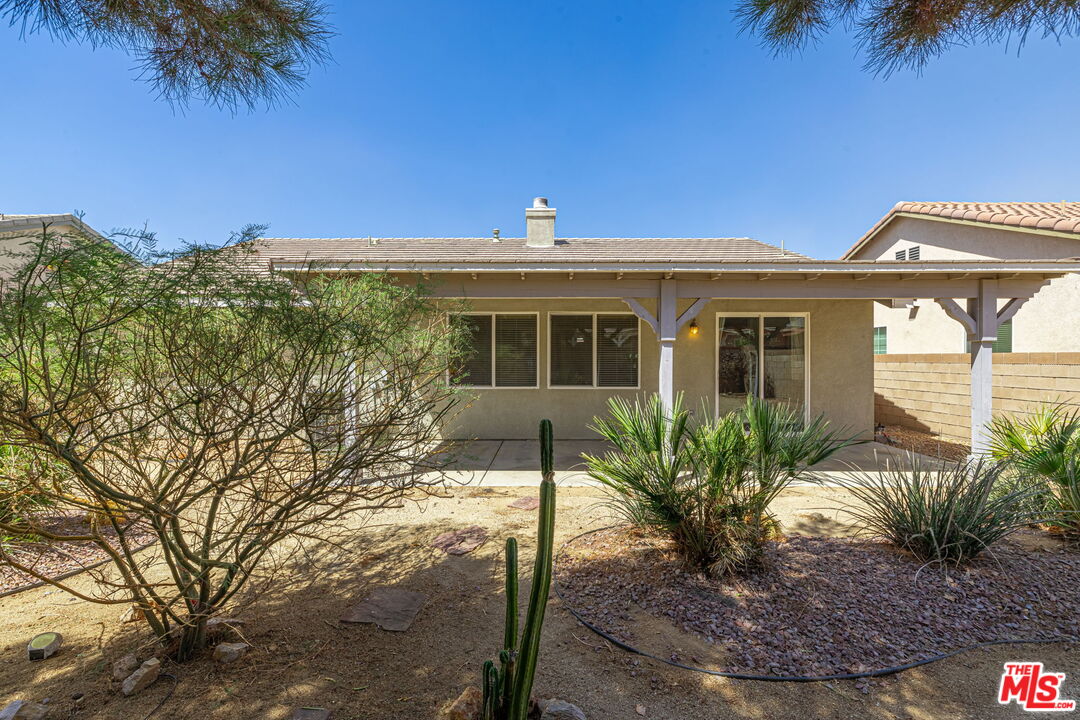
459, 542
311, 713
43, 645
23, 710
388, 607
526, 503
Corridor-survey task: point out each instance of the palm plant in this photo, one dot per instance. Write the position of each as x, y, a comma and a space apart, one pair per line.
1042, 451
707, 486
942, 515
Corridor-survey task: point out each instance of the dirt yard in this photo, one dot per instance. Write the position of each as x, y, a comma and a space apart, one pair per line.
303, 657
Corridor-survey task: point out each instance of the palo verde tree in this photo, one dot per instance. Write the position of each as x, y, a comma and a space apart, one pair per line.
907, 33
227, 52
226, 411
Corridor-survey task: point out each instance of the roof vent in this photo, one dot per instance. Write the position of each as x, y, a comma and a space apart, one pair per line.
540, 224
495, 236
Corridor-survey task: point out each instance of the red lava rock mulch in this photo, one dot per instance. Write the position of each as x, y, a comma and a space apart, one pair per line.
824, 605
60, 558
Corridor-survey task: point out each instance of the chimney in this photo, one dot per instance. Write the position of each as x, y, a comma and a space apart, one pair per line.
540, 224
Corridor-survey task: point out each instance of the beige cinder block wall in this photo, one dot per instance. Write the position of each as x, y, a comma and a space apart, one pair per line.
932, 393
841, 369
1049, 322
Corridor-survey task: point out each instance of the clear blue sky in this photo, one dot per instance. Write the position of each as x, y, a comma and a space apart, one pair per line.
635, 118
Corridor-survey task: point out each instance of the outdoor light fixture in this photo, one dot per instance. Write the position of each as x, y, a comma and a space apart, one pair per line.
694, 329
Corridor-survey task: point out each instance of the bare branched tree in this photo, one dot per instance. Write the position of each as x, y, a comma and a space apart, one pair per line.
222, 410
907, 33
227, 52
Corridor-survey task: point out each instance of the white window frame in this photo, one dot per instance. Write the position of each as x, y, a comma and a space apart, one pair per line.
493, 386
595, 335
761, 354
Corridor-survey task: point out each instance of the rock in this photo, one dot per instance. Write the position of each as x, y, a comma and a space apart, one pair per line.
142, 678
525, 503
23, 710
311, 713
230, 652
561, 710
123, 667
388, 607
459, 542
222, 626
134, 613
43, 645
467, 706
640, 710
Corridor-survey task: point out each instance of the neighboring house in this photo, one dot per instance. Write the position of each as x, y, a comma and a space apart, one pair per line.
1038, 348
560, 325
16, 230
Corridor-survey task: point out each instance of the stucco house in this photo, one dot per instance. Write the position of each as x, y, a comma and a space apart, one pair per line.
562, 324
921, 352
15, 230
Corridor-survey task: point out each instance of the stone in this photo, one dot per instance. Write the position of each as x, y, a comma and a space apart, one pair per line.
311, 713
467, 706
459, 542
222, 626
122, 668
24, 710
561, 710
526, 503
388, 607
142, 678
230, 652
43, 645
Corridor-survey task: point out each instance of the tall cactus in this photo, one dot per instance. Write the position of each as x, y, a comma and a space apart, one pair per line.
507, 689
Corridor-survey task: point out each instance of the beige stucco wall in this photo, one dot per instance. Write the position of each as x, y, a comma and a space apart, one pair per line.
841, 369
1049, 322
12, 242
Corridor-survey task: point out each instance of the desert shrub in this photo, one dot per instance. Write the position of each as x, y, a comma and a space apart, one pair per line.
232, 414
707, 485
19, 482
943, 514
1041, 451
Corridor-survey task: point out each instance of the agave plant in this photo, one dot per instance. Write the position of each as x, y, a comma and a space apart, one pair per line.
947, 514
707, 486
1041, 451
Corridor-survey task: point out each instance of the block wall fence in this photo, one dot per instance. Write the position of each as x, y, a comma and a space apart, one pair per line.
931, 393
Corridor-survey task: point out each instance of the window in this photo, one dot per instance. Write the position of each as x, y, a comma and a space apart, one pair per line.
881, 341
901, 254
1003, 344
501, 351
593, 350
761, 355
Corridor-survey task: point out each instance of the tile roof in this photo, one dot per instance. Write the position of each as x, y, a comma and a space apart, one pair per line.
572, 251
1063, 217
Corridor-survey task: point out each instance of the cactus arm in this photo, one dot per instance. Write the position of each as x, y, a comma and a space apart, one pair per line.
490, 678
541, 583
510, 627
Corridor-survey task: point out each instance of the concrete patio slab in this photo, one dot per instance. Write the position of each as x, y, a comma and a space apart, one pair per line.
516, 463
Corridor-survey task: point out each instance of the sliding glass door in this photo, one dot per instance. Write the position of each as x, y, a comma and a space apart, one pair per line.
761, 355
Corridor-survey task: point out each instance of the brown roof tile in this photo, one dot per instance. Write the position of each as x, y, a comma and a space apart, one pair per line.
1059, 217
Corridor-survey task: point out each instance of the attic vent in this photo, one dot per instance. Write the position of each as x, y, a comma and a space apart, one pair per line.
913, 252
901, 254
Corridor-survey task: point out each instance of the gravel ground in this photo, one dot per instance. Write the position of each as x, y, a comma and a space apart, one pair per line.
56, 559
821, 605
926, 443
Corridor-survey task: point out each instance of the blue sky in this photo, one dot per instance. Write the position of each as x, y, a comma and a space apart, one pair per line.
635, 118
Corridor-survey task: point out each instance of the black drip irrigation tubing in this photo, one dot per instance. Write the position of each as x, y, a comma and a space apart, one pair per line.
782, 678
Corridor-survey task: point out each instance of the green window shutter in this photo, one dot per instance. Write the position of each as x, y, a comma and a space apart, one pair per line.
1003, 344
1004, 338
881, 342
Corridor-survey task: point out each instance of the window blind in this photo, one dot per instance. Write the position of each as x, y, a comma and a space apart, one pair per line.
881, 341
515, 350
474, 367
616, 350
